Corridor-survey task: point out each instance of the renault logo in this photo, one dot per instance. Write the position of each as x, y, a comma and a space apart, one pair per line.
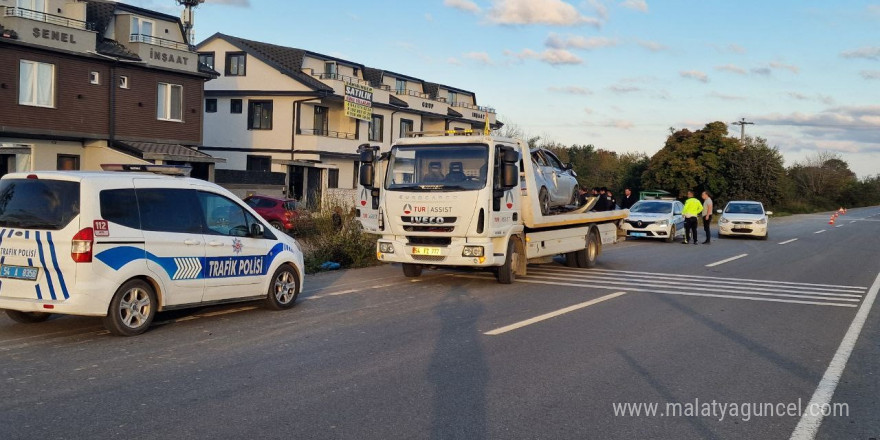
639, 223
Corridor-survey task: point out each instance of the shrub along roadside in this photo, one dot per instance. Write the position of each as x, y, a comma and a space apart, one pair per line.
334, 234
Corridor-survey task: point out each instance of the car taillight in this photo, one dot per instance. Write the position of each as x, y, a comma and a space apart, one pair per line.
288, 215
81, 246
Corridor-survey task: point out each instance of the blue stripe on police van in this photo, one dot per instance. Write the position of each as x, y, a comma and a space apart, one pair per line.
10, 233
55, 264
43, 263
37, 284
27, 235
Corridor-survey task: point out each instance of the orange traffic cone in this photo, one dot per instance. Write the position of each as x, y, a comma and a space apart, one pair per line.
844, 211
831, 222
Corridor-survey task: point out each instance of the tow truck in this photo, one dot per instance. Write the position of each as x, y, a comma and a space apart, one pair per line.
460, 199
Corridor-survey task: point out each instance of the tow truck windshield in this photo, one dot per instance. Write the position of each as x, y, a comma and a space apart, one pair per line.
457, 167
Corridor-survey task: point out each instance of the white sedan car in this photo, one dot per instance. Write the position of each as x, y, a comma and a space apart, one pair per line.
655, 219
744, 218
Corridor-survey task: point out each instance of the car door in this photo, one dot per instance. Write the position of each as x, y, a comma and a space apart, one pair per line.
234, 259
547, 174
564, 180
677, 217
175, 248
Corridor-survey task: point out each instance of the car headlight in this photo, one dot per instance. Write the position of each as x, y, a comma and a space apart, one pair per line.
663, 223
763, 221
472, 251
386, 248
723, 220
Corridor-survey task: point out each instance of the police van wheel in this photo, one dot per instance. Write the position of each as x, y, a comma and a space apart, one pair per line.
132, 309
671, 237
412, 270
27, 317
284, 288
507, 272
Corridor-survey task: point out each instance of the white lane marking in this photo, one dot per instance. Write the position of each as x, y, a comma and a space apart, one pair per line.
701, 277
852, 221
708, 284
839, 226
808, 426
789, 241
669, 292
226, 312
819, 232
347, 291
547, 316
728, 260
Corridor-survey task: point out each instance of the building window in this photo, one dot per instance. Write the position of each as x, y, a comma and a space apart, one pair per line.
259, 163
210, 105
207, 58
332, 178
36, 84
68, 162
356, 72
94, 78
330, 70
400, 86
33, 5
355, 173
322, 121
169, 105
141, 28
377, 127
123, 82
453, 98
259, 115
236, 63
235, 106
406, 126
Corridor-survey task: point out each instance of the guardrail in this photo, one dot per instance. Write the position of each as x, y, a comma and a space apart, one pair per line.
15, 11
156, 41
328, 133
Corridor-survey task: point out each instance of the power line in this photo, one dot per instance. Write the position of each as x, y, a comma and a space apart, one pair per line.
742, 124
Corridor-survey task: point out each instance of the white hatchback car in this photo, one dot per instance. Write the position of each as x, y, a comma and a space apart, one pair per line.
558, 185
655, 219
124, 245
746, 218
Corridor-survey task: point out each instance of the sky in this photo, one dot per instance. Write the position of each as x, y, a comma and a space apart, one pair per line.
617, 74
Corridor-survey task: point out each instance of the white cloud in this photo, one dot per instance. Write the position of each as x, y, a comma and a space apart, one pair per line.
551, 56
695, 74
622, 124
727, 97
730, 48
653, 46
601, 9
825, 99
871, 53
462, 5
571, 90
778, 65
764, 71
588, 110
621, 89
843, 123
635, 5
547, 12
481, 57
731, 68
578, 42
870, 74
454, 61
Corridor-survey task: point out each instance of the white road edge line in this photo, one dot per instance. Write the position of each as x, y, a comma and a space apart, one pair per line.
728, 260
819, 232
789, 241
547, 316
808, 426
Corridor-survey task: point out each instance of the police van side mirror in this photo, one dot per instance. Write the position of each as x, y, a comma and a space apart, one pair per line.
366, 178
257, 230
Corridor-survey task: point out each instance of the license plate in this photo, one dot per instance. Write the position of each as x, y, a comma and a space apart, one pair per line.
419, 250
638, 234
19, 272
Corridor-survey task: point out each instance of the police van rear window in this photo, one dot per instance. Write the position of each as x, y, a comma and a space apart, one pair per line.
38, 203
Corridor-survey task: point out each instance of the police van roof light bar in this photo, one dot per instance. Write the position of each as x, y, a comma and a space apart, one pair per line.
168, 170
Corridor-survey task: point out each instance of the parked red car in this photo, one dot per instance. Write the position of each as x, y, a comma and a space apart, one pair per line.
280, 213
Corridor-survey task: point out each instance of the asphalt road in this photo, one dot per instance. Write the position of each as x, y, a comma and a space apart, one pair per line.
369, 354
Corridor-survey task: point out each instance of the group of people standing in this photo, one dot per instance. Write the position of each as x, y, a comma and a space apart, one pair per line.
605, 198
693, 209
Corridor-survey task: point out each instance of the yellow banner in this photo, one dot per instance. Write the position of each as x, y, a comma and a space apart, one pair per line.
359, 101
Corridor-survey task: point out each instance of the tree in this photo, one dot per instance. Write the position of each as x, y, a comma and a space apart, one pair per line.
823, 179
755, 172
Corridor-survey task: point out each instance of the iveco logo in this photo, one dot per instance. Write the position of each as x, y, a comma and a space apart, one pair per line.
428, 220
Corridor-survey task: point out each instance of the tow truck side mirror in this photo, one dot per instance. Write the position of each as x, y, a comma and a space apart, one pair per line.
509, 168
366, 178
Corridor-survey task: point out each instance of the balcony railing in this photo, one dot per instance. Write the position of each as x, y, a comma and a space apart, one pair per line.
343, 78
156, 41
473, 107
328, 133
409, 92
13, 11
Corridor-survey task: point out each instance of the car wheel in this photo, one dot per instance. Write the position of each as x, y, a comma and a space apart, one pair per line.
132, 309
506, 274
278, 225
766, 236
544, 201
27, 317
574, 197
412, 270
671, 237
283, 289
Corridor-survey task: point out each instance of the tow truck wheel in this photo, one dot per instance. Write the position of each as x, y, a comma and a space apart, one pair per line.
571, 259
544, 201
132, 309
671, 237
27, 317
591, 253
507, 272
412, 270
283, 289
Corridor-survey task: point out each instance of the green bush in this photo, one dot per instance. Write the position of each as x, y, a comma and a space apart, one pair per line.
334, 234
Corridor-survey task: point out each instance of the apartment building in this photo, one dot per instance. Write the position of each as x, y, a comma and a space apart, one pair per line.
277, 109
89, 82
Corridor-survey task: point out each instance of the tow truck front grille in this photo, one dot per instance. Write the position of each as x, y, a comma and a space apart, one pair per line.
429, 241
445, 229
429, 258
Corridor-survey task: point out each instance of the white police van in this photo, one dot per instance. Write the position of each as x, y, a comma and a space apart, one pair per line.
124, 245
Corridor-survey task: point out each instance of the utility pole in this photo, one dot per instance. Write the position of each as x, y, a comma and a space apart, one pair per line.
742, 125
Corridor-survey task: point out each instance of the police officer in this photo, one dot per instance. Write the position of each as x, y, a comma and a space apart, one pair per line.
691, 212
